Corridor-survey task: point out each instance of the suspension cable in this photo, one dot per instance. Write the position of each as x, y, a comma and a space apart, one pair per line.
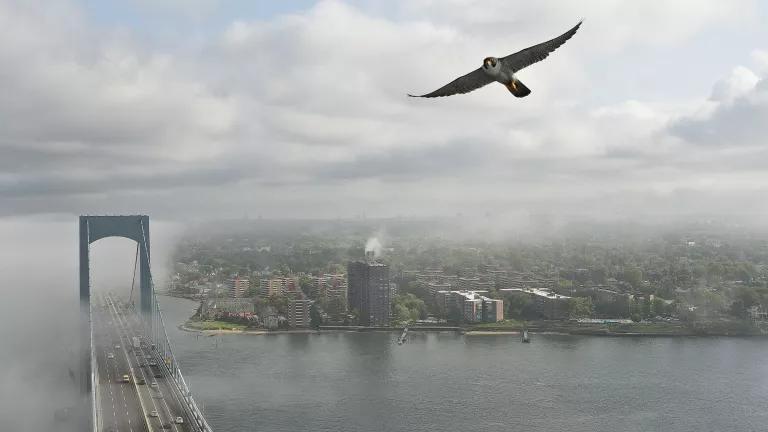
133, 281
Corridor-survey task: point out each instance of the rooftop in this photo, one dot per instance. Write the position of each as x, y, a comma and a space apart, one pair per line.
541, 292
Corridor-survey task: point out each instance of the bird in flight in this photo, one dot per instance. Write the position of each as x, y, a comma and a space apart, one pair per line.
503, 69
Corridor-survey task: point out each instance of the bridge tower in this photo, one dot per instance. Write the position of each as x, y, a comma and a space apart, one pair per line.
92, 228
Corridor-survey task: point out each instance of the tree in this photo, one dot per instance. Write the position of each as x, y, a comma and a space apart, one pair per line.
519, 306
278, 302
315, 319
580, 307
408, 308
402, 314
633, 276
305, 283
645, 307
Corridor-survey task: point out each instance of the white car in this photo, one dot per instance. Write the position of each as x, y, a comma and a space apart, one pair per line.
110, 356
154, 384
117, 346
153, 413
179, 420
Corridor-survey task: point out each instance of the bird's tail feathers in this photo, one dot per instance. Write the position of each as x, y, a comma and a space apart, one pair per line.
518, 89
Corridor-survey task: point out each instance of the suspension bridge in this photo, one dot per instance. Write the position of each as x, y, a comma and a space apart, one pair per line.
129, 377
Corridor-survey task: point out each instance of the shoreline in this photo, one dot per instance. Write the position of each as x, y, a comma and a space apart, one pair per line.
328, 329
468, 332
540, 327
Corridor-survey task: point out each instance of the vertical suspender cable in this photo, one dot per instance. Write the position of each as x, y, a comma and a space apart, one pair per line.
133, 281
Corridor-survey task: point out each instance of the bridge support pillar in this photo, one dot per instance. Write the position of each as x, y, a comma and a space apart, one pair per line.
92, 228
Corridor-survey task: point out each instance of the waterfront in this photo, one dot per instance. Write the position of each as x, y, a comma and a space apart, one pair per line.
449, 382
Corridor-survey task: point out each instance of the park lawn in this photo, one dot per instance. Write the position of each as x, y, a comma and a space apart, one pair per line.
214, 325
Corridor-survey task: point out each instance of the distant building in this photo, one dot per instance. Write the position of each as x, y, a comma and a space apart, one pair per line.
549, 304
434, 287
329, 285
238, 287
473, 306
331, 290
469, 284
369, 292
493, 310
500, 278
298, 313
278, 286
757, 313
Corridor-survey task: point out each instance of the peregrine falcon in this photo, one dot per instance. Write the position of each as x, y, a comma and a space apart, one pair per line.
503, 69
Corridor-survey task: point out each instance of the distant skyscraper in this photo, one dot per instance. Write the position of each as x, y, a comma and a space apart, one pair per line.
368, 292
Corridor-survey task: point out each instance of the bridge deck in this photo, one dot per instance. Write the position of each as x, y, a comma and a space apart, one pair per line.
134, 401
120, 406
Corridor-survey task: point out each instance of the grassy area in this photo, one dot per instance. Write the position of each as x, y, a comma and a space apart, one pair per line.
655, 328
214, 325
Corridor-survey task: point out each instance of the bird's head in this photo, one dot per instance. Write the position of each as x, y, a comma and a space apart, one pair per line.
490, 63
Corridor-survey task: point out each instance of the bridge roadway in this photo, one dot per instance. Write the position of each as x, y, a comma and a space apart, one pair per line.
120, 406
139, 400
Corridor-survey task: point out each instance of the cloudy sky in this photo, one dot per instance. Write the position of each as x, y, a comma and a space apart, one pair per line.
189, 109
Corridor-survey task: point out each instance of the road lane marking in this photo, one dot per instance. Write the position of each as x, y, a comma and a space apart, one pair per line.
123, 333
119, 329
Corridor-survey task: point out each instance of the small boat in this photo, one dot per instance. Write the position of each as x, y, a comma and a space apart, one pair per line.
525, 338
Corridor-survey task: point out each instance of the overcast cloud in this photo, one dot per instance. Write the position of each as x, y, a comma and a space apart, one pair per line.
302, 112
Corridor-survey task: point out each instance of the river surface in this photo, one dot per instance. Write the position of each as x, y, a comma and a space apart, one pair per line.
448, 382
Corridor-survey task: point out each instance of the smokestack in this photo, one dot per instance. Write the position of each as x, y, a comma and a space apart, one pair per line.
373, 246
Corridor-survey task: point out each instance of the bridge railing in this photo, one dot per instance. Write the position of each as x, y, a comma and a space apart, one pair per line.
96, 418
172, 366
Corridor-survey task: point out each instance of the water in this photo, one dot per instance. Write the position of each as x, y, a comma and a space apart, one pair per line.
447, 382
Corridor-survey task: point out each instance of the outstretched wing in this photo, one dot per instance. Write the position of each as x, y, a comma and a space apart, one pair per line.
537, 53
465, 84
